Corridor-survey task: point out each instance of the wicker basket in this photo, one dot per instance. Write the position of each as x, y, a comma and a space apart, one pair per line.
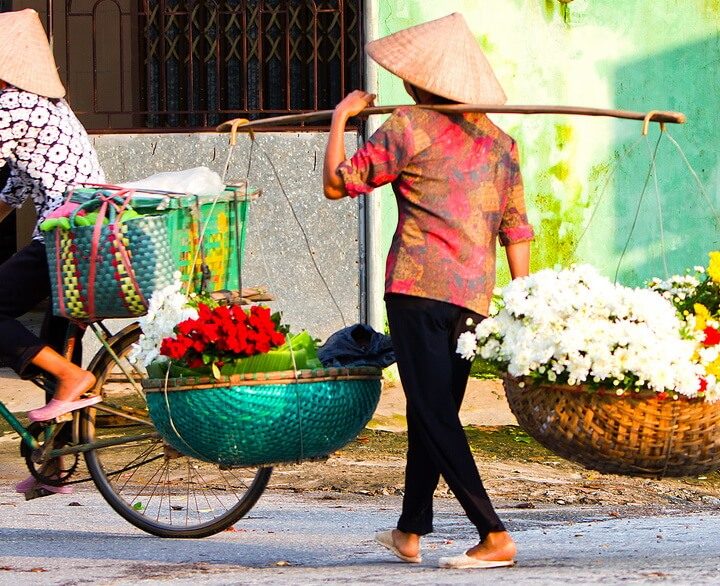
264, 418
212, 261
107, 270
632, 435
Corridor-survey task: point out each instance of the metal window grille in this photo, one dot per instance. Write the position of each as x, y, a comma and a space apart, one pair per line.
190, 64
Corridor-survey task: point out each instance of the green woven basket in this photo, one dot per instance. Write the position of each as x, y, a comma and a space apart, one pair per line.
222, 222
207, 230
264, 418
114, 288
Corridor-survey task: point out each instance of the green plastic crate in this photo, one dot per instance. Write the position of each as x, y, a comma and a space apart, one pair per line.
204, 231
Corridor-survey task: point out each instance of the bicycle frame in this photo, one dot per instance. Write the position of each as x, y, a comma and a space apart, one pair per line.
14, 422
53, 428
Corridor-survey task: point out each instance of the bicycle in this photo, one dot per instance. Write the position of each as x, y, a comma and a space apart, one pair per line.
148, 483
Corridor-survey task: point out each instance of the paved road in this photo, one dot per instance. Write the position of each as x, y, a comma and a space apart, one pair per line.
309, 539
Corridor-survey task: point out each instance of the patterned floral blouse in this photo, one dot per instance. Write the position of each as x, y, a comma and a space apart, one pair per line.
46, 149
458, 187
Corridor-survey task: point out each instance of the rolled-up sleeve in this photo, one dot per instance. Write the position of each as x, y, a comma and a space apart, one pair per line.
15, 191
382, 158
514, 226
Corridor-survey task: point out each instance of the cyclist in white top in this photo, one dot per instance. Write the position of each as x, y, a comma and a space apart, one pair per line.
45, 151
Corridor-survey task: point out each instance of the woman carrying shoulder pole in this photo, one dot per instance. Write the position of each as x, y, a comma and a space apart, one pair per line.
457, 182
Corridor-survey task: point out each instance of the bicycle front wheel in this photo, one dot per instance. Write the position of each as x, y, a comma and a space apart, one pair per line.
147, 482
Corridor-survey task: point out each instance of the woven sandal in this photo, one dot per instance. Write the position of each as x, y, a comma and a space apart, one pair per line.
466, 562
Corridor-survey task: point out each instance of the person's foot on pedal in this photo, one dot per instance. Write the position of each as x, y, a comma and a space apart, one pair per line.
57, 408
32, 483
73, 384
70, 388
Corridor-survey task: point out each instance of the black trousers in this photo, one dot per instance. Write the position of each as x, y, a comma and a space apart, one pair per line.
424, 334
24, 283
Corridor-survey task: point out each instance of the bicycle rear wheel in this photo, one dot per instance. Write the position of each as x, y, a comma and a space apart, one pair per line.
147, 482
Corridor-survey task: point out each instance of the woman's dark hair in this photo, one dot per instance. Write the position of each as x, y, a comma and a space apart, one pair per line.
434, 98
441, 100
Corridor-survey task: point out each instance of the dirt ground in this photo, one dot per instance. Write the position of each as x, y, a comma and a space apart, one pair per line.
516, 470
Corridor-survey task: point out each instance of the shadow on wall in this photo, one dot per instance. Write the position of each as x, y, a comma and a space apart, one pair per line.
686, 79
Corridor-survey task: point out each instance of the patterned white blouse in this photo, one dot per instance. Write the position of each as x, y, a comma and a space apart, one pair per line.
46, 149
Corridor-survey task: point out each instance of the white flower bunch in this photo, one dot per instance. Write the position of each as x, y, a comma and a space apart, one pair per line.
167, 308
678, 288
575, 326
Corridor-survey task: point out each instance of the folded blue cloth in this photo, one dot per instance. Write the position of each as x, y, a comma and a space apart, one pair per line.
357, 345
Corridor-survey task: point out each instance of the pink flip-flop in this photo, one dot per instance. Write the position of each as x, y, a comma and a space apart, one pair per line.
55, 408
31, 482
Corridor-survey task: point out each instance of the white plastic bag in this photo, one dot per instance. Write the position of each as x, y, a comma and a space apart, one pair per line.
196, 181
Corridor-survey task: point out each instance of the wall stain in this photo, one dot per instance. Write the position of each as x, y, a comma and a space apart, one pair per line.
550, 7
558, 198
558, 236
565, 13
712, 5
561, 170
486, 45
601, 170
564, 134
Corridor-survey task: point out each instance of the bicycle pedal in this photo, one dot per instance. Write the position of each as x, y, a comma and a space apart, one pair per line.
64, 418
37, 492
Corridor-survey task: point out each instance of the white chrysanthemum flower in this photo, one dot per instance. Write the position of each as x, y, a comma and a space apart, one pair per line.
578, 324
167, 308
467, 345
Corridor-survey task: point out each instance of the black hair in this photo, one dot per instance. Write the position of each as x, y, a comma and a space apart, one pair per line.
435, 99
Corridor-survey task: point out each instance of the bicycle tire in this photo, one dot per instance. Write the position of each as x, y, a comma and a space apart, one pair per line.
124, 486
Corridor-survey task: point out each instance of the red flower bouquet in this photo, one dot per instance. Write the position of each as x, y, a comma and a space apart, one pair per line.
223, 334
196, 335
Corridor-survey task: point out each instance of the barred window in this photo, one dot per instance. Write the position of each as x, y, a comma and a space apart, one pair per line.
191, 64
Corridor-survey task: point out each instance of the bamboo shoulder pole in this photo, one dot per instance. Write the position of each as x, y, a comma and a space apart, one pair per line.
242, 124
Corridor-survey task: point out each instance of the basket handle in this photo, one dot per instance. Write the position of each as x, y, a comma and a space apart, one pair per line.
115, 207
112, 204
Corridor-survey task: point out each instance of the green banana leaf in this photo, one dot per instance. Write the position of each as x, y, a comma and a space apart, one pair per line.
159, 370
304, 352
272, 361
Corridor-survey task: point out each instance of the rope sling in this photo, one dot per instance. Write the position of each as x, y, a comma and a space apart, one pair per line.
638, 436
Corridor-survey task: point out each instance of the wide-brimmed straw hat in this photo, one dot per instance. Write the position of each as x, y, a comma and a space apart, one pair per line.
26, 60
441, 57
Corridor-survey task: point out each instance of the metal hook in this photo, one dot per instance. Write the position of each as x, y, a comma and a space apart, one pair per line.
646, 122
233, 130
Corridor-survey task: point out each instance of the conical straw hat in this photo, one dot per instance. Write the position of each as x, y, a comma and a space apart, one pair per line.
26, 60
441, 57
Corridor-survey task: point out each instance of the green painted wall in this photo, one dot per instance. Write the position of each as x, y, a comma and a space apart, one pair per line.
584, 176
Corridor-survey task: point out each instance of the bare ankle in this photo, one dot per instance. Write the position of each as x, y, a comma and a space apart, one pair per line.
407, 543
74, 383
496, 546
498, 538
